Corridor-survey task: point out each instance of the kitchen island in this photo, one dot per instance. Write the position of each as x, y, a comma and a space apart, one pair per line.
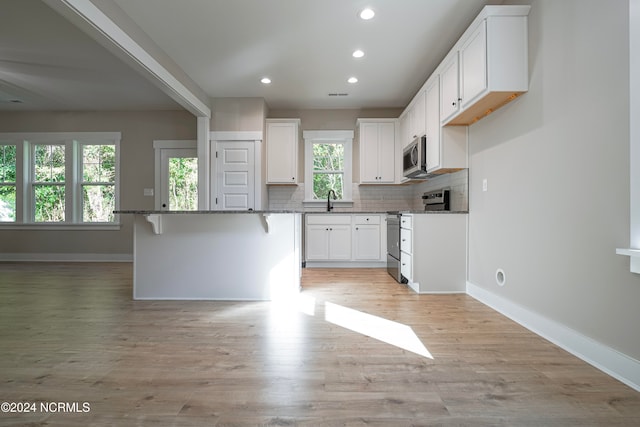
216, 255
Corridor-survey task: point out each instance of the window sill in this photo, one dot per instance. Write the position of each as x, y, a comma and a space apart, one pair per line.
77, 227
323, 203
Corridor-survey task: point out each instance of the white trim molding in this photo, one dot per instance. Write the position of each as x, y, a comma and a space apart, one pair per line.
634, 140
64, 257
235, 136
601, 356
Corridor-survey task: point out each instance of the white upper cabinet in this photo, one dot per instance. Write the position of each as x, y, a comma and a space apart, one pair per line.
416, 115
493, 65
450, 88
405, 129
473, 66
433, 124
377, 151
282, 151
446, 146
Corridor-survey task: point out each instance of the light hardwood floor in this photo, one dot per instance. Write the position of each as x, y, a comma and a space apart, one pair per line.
71, 333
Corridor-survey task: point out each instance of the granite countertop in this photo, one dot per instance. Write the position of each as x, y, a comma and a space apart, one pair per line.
434, 212
269, 212
200, 212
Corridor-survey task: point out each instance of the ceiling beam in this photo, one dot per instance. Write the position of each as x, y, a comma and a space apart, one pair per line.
102, 28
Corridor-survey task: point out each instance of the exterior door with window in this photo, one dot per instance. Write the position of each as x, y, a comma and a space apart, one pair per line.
178, 179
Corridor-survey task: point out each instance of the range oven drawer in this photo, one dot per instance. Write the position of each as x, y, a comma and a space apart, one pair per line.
406, 265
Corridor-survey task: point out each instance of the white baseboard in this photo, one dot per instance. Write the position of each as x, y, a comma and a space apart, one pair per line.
605, 358
415, 287
346, 264
49, 257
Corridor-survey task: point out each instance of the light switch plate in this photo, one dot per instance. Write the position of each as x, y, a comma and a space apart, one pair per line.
148, 192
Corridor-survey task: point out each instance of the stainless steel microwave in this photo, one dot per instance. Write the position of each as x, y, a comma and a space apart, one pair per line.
414, 158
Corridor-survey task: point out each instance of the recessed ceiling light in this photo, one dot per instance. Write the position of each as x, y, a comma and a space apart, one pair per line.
367, 14
352, 80
265, 80
358, 53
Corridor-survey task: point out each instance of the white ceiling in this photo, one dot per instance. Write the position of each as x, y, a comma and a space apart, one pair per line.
226, 46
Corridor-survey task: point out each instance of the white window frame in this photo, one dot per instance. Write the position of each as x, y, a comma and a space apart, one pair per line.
15, 183
344, 137
25, 174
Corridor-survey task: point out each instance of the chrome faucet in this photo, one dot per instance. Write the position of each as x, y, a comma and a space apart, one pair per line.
329, 207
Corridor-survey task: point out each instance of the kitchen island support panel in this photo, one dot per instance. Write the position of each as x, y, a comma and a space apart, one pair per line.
217, 257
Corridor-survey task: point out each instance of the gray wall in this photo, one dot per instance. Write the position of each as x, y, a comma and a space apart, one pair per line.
138, 129
557, 164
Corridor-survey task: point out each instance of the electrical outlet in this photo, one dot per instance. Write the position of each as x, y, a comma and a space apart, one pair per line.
484, 184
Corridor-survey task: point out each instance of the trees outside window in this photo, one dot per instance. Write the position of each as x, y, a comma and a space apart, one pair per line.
328, 170
7, 183
59, 178
328, 166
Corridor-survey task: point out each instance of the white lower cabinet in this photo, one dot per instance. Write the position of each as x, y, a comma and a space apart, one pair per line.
328, 237
345, 238
366, 238
433, 253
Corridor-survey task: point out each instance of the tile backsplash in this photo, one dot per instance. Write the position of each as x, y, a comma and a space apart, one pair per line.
381, 198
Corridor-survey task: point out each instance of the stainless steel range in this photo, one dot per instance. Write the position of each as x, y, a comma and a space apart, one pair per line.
437, 200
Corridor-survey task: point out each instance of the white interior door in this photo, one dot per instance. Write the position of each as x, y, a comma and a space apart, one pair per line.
235, 172
178, 179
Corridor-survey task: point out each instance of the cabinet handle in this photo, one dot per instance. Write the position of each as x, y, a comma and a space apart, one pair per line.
404, 240
357, 229
453, 103
293, 179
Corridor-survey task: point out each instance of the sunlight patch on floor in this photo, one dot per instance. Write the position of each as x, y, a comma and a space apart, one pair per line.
388, 331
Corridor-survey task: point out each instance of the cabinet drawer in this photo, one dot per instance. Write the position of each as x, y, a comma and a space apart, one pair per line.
367, 219
406, 221
329, 219
406, 268
405, 240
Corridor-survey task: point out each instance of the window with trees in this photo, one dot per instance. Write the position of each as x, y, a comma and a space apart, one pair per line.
328, 170
7, 183
59, 178
328, 164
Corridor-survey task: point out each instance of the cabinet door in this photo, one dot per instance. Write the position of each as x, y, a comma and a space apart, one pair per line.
473, 65
369, 153
317, 242
339, 242
405, 131
449, 89
418, 115
366, 244
433, 126
282, 153
386, 152
406, 265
